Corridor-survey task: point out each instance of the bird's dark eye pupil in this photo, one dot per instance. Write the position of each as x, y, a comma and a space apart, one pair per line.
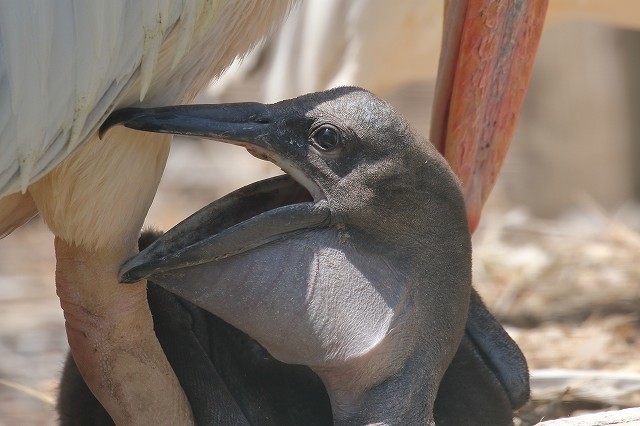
326, 138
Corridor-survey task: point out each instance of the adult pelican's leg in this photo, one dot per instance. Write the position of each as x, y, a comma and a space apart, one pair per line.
487, 56
109, 325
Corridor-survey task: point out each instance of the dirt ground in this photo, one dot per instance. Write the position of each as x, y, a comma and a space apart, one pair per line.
566, 290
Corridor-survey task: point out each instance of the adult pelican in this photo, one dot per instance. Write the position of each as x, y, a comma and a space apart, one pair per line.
64, 66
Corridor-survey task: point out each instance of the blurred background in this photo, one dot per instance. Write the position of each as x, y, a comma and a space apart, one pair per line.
556, 256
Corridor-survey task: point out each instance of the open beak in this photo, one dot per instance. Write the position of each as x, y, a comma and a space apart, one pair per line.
487, 56
254, 126
250, 217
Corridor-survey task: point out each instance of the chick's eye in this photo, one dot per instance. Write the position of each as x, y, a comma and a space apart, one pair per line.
326, 139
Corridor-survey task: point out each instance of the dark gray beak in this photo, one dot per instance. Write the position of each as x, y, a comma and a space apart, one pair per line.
262, 130
247, 218
266, 131
230, 122
251, 125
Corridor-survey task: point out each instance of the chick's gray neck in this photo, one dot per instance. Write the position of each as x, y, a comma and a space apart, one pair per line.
404, 398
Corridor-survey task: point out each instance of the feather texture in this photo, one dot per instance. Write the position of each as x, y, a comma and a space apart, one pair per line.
64, 65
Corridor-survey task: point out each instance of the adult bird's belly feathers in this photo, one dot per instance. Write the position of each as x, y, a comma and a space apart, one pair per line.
365, 277
64, 67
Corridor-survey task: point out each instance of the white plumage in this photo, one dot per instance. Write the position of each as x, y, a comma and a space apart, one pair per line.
65, 65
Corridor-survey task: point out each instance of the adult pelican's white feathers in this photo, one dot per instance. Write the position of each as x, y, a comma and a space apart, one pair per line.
65, 65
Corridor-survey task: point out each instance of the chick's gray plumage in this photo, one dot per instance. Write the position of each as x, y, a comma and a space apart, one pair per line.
213, 360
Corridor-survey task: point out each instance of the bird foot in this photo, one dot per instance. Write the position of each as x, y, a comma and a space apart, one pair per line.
110, 332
